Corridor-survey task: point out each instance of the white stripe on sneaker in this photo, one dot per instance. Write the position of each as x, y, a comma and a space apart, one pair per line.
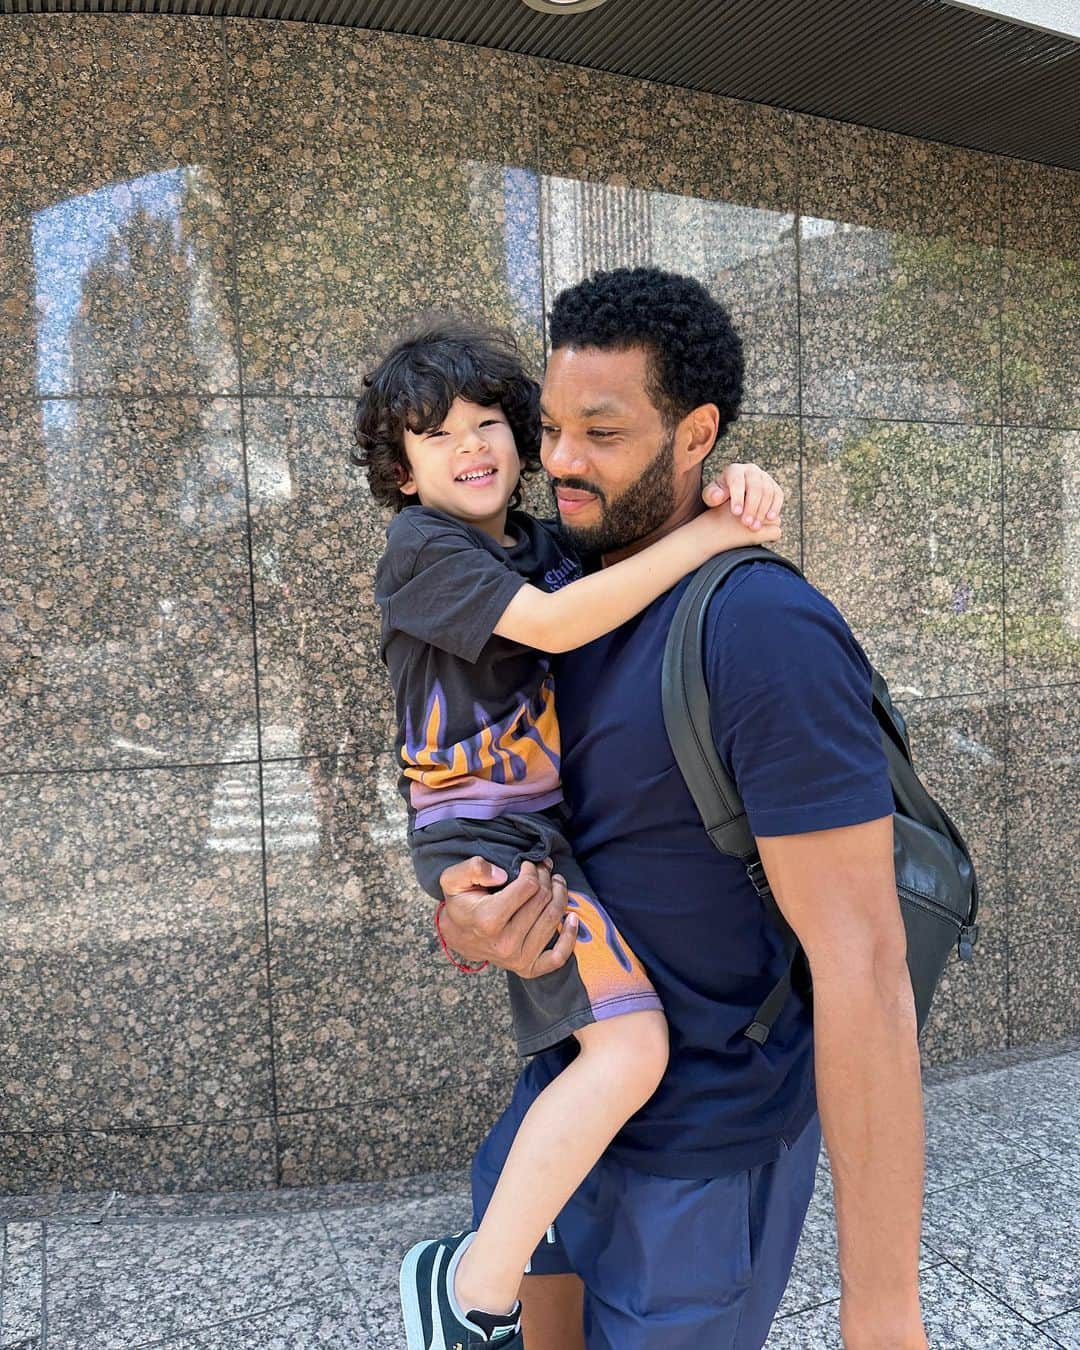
438, 1340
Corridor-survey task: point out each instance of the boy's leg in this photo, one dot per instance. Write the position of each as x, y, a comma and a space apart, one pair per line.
560, 1138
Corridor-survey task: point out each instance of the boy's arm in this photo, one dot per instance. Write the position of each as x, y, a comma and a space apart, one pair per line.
597, 604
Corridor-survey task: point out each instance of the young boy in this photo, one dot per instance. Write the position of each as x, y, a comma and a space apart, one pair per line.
475, 595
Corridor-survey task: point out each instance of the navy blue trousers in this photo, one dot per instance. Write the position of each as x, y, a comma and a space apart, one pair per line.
670, 1264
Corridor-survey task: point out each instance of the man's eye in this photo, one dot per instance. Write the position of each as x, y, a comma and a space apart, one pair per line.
601, 435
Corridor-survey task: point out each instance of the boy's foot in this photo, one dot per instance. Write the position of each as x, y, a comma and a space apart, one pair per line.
433, 1320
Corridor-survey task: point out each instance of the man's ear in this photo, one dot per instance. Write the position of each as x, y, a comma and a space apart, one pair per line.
696, 434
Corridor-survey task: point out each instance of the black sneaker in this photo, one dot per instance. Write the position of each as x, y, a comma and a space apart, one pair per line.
432, 1318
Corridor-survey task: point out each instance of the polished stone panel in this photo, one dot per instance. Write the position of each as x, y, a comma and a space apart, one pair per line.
366, 1006
58, 1167
1044, 997
125, 596
380, 1140
375, 177
116, 268
772, 443
316, 537
1040, 231
133, 974
77, 85
1042, 556
902, 531
958, 749
899, 276
638, 174
1044, 807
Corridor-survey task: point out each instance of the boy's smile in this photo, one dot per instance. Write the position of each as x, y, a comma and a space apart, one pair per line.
468, 466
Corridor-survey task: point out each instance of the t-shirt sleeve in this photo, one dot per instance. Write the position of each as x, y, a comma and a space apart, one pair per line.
440, 586
792, 708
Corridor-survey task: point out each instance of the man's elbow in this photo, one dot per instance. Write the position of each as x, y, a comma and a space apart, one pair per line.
875, 969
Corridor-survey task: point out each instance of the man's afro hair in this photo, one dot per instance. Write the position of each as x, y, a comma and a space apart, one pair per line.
695, 354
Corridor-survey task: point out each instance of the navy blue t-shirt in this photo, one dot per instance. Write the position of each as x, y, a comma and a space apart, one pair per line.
793, 723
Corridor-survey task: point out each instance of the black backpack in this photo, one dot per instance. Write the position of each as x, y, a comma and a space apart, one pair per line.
935, 880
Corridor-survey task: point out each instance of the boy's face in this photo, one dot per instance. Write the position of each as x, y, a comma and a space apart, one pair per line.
467, 467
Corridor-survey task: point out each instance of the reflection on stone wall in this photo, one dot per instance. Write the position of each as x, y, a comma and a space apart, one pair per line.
217, 969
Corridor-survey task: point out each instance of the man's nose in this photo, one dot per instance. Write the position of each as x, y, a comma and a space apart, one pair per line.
563, 457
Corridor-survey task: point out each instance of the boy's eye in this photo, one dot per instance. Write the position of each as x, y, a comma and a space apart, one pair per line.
492, 422
547, 430
438, 431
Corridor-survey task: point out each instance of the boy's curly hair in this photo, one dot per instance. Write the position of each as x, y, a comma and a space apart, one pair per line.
695, 354
414, 385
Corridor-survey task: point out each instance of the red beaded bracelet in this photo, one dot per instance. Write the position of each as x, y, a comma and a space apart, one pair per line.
458, 965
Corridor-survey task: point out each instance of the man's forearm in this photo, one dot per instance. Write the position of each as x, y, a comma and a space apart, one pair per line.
870, 1100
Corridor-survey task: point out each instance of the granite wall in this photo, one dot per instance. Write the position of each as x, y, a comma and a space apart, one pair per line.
216, 969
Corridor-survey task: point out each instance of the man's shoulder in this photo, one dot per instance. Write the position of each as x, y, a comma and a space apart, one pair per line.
765, 584
765, 613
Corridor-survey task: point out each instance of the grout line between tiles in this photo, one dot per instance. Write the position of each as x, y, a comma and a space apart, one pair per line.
1002, 496
238, 335
797, 147
44, 1285
179, 1339
989, 1292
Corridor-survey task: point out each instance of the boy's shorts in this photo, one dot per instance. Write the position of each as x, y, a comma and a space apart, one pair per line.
668, 1264
602, 978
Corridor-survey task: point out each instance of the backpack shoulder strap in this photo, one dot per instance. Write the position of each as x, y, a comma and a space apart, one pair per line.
685, 697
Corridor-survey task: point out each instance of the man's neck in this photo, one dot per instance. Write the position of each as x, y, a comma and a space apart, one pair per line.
684, 512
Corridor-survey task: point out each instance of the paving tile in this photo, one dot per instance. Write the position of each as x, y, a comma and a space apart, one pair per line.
126, 1284
330, 1322
20, 1282
1016, 1234
1034, 1104
961, 1148
371, 1243
958, 1316
1064, 1330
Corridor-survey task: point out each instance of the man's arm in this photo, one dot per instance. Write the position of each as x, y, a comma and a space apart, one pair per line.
837, 889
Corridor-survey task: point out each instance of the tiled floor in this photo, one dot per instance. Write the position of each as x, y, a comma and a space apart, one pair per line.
300, 1269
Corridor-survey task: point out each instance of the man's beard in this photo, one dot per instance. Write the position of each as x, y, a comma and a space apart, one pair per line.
637, 512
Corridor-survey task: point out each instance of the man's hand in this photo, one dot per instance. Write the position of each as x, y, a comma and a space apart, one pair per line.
510, 927
754, 494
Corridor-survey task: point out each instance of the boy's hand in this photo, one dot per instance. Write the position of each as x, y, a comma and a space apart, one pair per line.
754, 494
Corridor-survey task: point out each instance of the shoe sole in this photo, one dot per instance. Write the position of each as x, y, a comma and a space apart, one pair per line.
410, 1303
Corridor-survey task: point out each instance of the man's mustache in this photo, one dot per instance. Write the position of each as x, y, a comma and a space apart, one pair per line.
578, 485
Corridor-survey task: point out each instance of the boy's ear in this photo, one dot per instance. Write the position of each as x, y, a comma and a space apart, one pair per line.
404, 479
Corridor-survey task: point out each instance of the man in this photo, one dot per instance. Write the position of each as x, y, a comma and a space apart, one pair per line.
685, 1232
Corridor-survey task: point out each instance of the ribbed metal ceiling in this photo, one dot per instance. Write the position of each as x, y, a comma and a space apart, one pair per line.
923, 67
